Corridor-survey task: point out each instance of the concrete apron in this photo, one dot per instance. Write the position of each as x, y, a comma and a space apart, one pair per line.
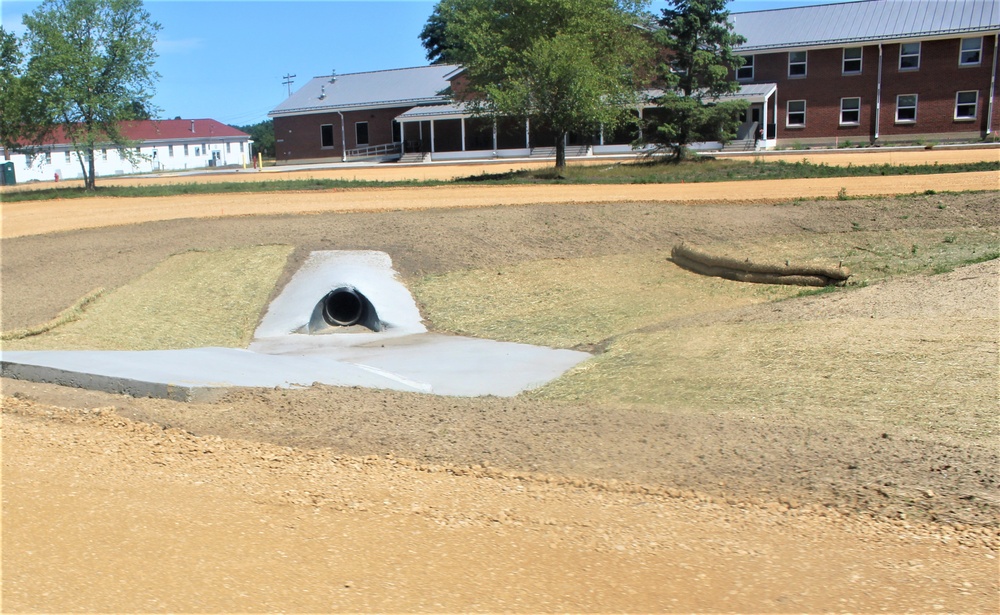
344, 319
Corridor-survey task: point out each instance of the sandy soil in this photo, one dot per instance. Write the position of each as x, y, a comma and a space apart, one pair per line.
338, 499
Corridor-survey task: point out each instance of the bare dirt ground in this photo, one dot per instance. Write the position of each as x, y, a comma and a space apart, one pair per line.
342, 499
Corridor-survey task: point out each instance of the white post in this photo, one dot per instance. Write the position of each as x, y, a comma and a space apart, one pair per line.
494, 136
432, 139
463, 134
527, 133
402, 138
763, 142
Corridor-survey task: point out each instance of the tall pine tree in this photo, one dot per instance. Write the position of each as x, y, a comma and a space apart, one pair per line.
700, 67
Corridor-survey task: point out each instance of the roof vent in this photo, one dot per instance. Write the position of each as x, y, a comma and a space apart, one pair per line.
333, 76
322, 92
192, 126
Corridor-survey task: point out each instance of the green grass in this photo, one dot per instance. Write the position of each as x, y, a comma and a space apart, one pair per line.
707, 170
700, 170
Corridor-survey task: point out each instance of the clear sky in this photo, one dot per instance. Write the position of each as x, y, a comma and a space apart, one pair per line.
227, 59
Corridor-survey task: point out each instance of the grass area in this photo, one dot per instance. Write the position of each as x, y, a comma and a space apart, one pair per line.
190, 300
660, 353
642, 172
579, 302
707, 170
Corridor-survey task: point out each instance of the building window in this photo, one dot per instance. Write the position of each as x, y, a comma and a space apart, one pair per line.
326, 135
241, 147
852, 60
906, 108
186, 150
67, 156
796, 115
48, 157
797, 63
972, 52
745, 72
909, 56
361, 132
104, 153
170, 151
966, 104
229, 148
850, 111
204, 148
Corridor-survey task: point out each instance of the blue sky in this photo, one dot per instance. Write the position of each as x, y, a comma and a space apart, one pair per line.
226, 59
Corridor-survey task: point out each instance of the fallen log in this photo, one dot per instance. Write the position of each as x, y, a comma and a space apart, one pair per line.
759, 273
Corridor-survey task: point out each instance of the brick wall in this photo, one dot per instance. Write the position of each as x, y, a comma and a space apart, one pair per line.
935, 83
299, 138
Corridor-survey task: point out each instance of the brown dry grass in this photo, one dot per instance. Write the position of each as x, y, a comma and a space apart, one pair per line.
190, 300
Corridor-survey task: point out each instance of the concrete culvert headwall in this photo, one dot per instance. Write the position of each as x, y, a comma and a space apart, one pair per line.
344, 306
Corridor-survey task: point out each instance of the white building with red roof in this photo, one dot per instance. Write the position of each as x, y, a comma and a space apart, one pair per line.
163, 145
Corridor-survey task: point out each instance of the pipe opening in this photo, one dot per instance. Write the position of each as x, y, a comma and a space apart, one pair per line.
343, 307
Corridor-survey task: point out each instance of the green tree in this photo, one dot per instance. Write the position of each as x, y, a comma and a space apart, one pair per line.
91, 67
564, 65
262, 134
11, 123
699, 39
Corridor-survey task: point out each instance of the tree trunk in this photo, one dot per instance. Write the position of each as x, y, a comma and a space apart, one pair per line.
92, 176
561, 154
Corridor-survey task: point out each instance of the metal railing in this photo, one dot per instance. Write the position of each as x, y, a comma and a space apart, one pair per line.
375, 151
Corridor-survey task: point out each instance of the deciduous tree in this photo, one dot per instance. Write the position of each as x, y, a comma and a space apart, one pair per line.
698, 39
91, 67
565, 65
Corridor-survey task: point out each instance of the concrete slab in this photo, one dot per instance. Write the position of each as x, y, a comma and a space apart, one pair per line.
401, 355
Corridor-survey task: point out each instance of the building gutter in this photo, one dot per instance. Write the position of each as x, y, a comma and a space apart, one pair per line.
993, 87
878, 94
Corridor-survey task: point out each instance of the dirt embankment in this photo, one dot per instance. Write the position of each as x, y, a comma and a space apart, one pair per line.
332, 499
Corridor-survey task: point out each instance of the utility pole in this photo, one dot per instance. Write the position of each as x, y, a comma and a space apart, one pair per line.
288, 81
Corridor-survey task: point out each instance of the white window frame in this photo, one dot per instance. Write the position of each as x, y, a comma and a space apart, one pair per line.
978, 50
859, 60
804, 62
740, 72
843, 110
974, 103
170, 151
789, 112
899, 106
186, 150
909, 55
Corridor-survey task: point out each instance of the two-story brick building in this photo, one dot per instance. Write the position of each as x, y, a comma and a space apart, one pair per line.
875, 71
868, 71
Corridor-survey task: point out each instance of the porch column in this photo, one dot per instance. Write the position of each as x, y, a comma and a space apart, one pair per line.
463, 134
402, 137
432, 137
494, 136
601, 141
775, 94
763, 144
527, 133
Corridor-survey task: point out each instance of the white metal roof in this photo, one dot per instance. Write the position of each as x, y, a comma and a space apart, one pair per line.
384, 88
452, 111
867, 20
